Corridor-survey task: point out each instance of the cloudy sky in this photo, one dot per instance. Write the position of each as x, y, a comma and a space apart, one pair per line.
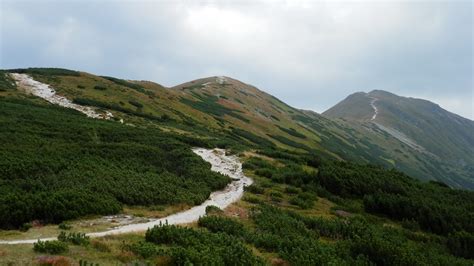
310, 54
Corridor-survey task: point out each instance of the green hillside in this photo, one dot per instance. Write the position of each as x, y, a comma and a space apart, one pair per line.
237, 110
442, 140
322, 194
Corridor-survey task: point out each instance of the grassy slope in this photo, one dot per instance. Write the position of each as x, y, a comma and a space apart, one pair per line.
446, 137
422, 245
377, 239
218, 108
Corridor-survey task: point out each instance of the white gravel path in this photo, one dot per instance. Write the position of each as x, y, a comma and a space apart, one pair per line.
227, 165
376, 111
49, 94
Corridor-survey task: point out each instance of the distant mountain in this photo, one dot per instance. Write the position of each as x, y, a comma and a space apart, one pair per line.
231, 111
438, 135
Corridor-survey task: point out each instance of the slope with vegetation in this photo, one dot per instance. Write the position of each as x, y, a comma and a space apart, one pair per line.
442, 141
238, 111
315, 199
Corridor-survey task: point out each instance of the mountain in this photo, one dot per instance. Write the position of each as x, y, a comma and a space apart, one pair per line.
229, 110
87, 161
439, 136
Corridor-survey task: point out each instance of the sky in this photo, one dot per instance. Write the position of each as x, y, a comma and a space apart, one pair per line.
310, 54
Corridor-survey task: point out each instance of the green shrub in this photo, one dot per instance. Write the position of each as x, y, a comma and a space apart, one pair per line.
212, 209
276, 194
6, 82
255, 163
135, 103
74, 238
51, 247
125, 83
254, 189
461, 244
265, 172
100, 88
64, 226
292, 190
292, 132
25, 227
143, 249
252, 199
410, 224
199, 247
133, 166
46, 71
226, 225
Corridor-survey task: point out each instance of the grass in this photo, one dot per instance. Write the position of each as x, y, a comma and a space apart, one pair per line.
157, 211
109, 253
85, 225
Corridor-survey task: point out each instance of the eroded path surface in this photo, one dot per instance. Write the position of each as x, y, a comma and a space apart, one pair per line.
46, 92
376, 111
227, 165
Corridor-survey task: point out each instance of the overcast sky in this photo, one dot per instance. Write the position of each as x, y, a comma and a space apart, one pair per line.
309, 54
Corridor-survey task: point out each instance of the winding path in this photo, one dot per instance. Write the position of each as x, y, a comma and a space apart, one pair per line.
376, 111
221, 163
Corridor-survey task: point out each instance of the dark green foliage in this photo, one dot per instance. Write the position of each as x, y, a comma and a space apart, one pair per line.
217, 224
209, 105
287, 234
117, 107
255, 189
100, 88
313, 160
135, 103
143, 249
262, 142
25, 227
81, 87
86, 263
125, 83
64, 226
461, 244
426, 206
265, 172
252, 199
90, 166
46, 71
6, 82
51, 247
350, 179
295, 238
255, 163
292, 174
291, 190
435, 208
211, 209
292, 132
189, 246
281, 154
274, 117
410, 224
304, 200
74, 238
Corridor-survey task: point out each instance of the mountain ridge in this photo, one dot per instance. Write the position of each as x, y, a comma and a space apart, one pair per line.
236, 110
419, 123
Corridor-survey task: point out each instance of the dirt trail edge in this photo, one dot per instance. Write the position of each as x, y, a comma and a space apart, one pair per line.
221, 163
